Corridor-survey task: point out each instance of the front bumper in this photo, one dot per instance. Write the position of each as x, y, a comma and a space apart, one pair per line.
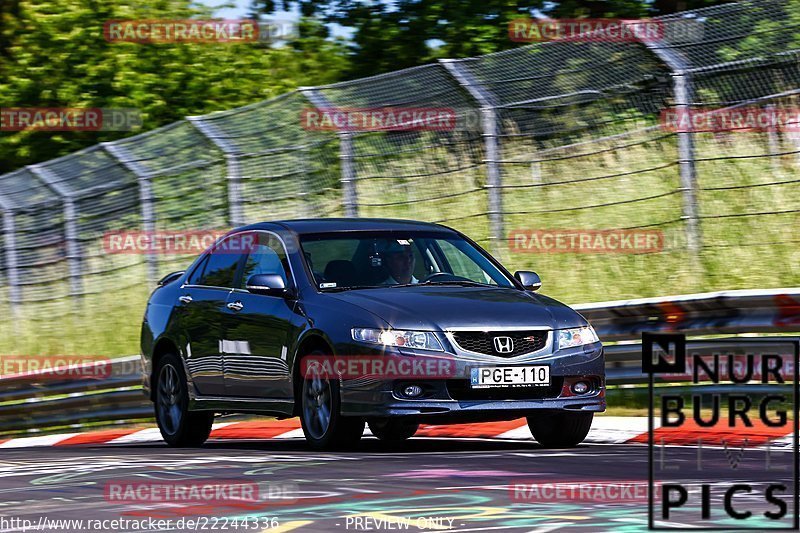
451, 399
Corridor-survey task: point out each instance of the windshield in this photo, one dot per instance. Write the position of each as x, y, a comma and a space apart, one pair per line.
357, 260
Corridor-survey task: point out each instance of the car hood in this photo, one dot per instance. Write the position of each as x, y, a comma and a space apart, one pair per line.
442, 307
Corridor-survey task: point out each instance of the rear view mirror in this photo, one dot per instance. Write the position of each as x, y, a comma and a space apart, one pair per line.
268, 284
530, 280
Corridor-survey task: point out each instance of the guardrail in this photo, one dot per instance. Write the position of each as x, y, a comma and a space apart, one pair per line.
106, 391
44, 401
710, 313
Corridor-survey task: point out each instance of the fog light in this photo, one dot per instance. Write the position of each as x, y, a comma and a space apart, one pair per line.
580, 387
412, 391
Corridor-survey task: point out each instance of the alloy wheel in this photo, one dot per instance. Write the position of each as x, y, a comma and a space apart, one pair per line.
317, 402
169, 395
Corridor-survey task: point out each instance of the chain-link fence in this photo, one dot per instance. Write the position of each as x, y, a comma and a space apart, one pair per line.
559, 135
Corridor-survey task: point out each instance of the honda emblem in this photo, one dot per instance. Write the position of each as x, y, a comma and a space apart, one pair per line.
503, 344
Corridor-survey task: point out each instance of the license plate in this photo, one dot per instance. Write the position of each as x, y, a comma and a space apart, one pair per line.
509, 376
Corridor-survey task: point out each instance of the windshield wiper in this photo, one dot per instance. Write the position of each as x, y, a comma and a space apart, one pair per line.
352, 287
463, 283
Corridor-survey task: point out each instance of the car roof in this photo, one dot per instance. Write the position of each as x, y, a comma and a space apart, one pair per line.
325, 225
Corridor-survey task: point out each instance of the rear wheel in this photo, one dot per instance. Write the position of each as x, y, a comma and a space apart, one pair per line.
560, 429
320, 414
179, 427
392, 430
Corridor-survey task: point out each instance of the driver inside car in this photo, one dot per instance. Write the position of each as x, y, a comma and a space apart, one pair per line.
400, 262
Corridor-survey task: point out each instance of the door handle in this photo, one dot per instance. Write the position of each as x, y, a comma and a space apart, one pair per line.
236, 306
185, 299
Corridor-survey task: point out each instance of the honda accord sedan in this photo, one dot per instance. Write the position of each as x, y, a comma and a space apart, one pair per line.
347, 322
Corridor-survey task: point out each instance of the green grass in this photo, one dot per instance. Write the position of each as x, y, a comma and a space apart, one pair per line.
739, 251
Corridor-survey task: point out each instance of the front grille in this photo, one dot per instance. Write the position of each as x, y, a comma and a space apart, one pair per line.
483, 341
459, 389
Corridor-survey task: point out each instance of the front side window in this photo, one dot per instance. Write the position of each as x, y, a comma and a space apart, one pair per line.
267, 256
220, 266
197, 273
377, 259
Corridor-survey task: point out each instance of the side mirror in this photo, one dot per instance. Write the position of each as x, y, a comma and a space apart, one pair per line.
530, 280
268, 284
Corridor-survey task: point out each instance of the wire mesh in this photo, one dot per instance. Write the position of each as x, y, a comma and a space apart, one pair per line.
431, 175
581, 146
286, 171
187, 174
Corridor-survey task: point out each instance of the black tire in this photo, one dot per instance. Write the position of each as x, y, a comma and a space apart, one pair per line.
392, 430
179, 427
324, 426
560, 429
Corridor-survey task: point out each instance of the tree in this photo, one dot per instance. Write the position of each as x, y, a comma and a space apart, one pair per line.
53, 54
406, 33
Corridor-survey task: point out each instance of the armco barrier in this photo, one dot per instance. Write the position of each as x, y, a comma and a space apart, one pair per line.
39, 401
711, 313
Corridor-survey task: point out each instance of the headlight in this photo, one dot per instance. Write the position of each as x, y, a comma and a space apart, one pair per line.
424, 340
567, 338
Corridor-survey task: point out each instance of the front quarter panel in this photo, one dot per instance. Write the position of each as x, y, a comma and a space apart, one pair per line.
158, 316
563, 315
332, 320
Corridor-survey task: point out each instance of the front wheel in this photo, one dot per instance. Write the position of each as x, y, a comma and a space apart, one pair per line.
391, 430
179, 427
560, 429
320, 415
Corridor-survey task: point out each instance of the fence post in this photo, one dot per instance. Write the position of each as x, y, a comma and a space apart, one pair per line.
773, 141
234, 171
491, 139
346, 154
10, 244
682, 88
145, 199
70, 227
348, 174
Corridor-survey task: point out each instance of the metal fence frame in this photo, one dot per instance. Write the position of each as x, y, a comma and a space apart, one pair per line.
487, 103
489, 124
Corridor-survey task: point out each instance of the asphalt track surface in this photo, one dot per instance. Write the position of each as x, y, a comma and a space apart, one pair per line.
418, 486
